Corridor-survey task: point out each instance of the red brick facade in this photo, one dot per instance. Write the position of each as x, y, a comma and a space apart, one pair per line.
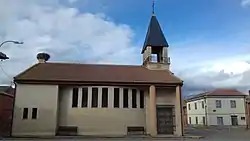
6, 104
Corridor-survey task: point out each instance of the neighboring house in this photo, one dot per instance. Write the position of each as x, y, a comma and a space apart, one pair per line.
97, 99
218, 107
6, 104
248, 109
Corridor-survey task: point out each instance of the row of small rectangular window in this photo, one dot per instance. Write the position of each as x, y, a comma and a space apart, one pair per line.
196, 120
26, 113
219, 120
94, 101
195, 105
218, 104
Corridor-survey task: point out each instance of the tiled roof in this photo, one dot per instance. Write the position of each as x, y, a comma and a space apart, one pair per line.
7, 90
96, 73
218, 92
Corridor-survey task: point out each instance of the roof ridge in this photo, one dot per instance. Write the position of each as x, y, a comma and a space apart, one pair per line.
74, 63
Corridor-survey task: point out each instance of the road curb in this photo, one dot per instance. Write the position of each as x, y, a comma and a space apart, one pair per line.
103, 137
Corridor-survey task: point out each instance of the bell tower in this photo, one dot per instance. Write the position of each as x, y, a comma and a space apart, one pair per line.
155, 48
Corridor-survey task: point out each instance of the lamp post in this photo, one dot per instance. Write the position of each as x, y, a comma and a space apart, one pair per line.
4, 56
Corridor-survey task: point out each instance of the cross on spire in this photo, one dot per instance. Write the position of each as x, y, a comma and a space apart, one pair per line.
153, 7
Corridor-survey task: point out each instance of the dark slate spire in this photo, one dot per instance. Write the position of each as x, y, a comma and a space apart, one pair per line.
155, 36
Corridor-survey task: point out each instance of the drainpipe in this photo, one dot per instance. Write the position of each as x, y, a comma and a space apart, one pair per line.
205, 100
247, 112
182, 127
13, 107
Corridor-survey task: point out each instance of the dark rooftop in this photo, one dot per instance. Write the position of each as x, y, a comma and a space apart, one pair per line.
155, 36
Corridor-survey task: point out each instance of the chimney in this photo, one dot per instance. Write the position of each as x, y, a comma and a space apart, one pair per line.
43, 57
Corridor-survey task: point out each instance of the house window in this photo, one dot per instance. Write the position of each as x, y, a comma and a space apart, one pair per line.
190, 120
116, 97
233, 103
202, 104
94, 97
242, 118
220, 121
204, 120
189, 107
104, 97
134, 98
34, 113
195, 106
196, 120
142, 99
218, 103
25, 113
84, 97
125, 98
75, 98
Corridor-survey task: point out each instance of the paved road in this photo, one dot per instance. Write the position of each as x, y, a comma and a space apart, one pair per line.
212, 134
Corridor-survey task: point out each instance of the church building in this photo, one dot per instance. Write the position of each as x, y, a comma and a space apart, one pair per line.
100, 99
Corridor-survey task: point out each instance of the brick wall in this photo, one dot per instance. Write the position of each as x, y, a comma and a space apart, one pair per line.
6, 103
185, 119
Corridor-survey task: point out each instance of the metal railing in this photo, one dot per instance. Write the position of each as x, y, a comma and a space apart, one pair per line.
155, 59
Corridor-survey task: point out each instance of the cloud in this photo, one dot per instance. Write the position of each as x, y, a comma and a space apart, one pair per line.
245, 3
224, 73
70, 35
72, 1
63, 32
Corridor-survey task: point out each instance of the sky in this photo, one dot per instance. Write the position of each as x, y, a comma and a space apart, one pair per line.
209, 40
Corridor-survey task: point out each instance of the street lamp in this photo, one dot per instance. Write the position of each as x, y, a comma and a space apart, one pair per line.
10, 41
4, 56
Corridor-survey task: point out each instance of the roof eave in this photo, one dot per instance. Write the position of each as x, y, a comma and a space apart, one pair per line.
95, 82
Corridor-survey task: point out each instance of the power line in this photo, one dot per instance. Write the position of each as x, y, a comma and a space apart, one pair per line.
6, 74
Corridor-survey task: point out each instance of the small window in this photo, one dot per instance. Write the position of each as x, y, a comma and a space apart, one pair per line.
233, 103
25, 113
195, 106
202, 104
142, 99
218, 103
196, 120
84, 97
75, 98
34, 113
116, 97
242, 118
94, 97
134, 98
190, 120
189, 107
104, 97
125, 98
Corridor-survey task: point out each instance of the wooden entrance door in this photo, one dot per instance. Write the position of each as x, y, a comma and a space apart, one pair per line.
165, 122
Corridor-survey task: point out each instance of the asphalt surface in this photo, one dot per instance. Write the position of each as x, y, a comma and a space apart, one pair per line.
210, 134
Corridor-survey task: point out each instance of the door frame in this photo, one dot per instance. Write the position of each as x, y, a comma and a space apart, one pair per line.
173, 115
236, 118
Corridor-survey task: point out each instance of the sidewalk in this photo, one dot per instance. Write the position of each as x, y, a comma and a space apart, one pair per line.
104, 137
